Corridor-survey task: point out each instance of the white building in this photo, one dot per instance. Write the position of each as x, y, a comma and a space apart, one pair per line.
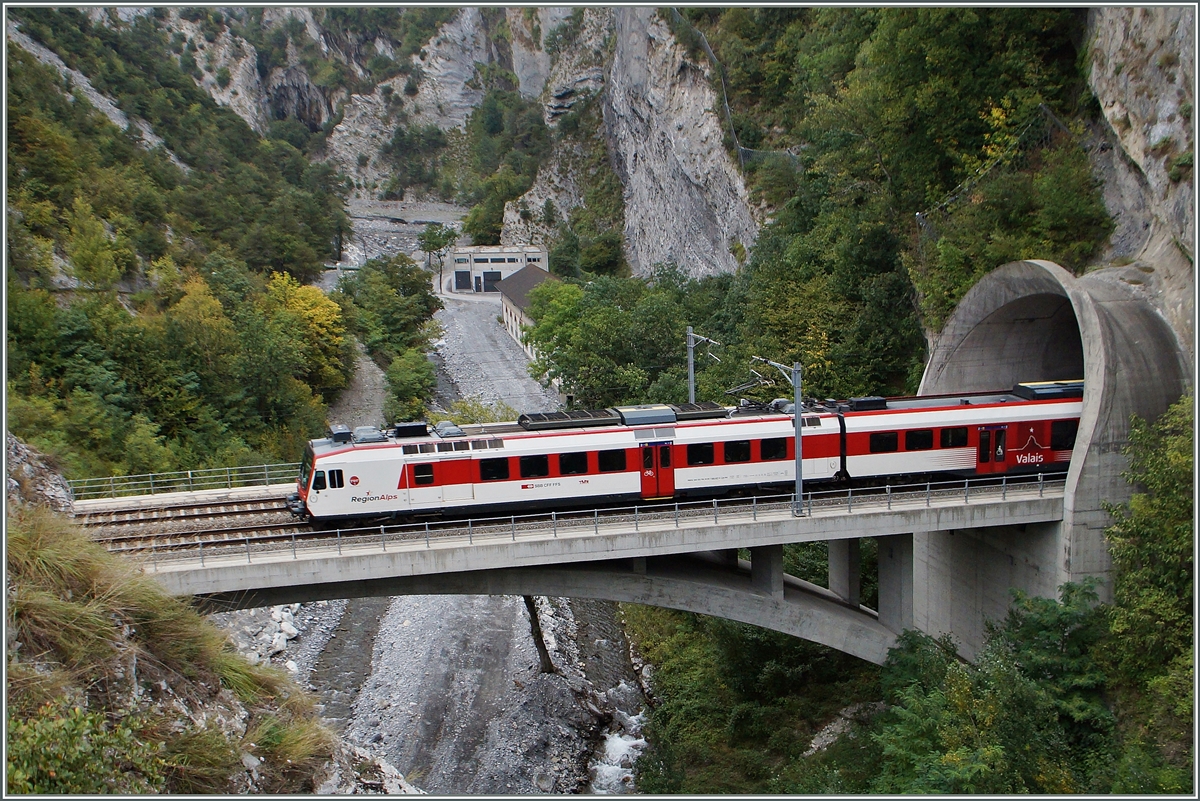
478, 268
514, 300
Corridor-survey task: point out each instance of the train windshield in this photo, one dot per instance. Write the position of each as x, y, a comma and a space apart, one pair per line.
306, 466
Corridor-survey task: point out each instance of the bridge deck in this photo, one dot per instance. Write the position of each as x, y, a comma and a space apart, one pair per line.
520, 542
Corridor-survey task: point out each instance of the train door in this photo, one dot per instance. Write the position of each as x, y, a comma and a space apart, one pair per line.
658, 474
403, 485
423, 490
455, 478
993, 449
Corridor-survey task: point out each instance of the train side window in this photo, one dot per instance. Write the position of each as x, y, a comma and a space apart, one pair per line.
335, 479
319, 480
885, 442
985, 446
738, 451
572, 464
493, 469
648, 458
954, 437
920, 440
611, 461
773, 449
423, 473
1062, 434
535, 466
664, 456
700, 453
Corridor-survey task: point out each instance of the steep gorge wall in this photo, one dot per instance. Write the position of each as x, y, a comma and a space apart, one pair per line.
684, 200
1142, 71
577, 74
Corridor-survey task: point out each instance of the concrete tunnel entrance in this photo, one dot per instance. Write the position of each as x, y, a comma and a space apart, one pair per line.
1007, 334
1034, 321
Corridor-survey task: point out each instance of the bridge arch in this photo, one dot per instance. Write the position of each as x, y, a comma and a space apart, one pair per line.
699, 582
1033, 321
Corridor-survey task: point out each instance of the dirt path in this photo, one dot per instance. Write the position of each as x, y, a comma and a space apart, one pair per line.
361, 403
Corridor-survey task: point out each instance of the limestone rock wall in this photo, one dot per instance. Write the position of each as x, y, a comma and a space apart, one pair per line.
32, 481
1143, 74
684, 201
245, 94
447, 93
577, 73
530, 61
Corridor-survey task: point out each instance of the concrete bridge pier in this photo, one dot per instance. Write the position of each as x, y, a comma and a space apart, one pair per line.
845, 576
766, 570
896, 582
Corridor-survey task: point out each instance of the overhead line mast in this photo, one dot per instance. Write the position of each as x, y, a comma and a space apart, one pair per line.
793, 377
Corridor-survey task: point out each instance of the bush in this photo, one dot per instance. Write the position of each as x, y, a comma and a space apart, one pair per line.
65, 749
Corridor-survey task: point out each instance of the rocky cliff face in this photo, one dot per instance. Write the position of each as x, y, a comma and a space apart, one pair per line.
684, 201
1143, 73
575, 75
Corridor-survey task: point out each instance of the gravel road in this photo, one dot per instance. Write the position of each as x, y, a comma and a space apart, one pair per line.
482, 360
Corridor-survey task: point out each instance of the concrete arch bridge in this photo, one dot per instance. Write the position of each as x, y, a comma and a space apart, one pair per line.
944, 566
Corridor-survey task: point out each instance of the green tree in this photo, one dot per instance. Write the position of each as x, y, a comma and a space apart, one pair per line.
960, 728
89, 249
435, 240
411, 380
1152, 543
1053, 643
388, 303
317, 326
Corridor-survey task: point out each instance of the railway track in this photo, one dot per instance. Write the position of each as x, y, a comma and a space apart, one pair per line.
266, 523
179, 512
134, 541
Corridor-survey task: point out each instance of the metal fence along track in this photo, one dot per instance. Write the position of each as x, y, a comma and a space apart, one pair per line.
184, 481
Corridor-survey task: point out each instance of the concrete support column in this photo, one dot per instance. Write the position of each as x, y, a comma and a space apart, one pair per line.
844, 577
896, 582
638, 565
766, 569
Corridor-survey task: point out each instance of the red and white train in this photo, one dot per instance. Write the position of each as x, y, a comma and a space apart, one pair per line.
655, 451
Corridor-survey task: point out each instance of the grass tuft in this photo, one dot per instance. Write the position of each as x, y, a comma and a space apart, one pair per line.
82, 624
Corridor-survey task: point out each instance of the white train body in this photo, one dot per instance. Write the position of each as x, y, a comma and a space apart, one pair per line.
659, 451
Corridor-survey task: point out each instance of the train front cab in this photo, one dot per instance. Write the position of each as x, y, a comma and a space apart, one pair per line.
1025, 447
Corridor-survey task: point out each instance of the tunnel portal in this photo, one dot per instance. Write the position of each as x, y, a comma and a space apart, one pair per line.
1034, 321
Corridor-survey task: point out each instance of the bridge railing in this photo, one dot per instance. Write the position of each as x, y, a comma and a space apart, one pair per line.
184, 481
820, 503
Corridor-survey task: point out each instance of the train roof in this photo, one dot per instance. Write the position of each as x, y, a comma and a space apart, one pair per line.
420, 438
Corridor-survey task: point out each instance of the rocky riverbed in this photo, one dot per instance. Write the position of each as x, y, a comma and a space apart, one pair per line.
447, 689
